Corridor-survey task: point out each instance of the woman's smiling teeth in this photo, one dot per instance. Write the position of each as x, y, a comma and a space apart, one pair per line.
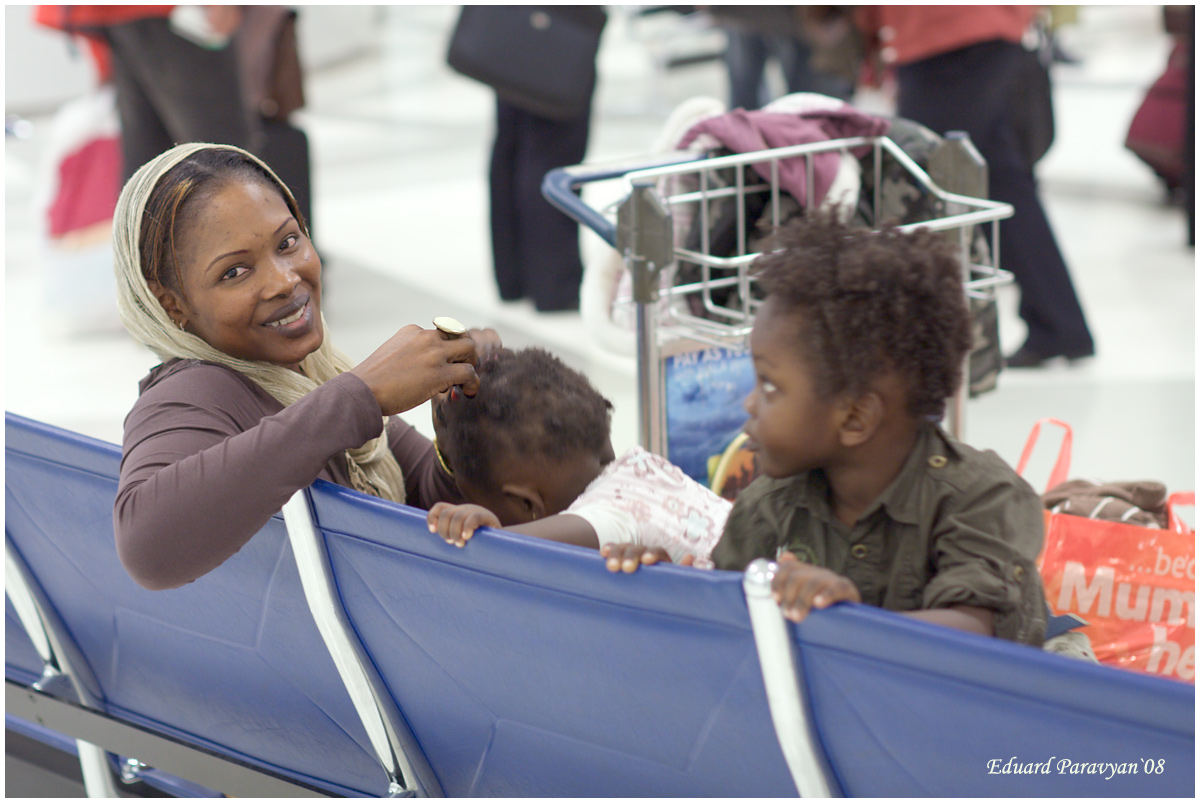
297, 315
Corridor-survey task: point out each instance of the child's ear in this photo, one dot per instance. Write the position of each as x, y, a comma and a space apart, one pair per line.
525, 499
860, 417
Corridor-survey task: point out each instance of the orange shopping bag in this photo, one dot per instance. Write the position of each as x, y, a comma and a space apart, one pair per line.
1135, 586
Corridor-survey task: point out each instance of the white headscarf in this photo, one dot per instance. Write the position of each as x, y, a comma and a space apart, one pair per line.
372, 467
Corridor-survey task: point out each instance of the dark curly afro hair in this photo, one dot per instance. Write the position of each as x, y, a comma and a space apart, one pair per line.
529, 405
872, 303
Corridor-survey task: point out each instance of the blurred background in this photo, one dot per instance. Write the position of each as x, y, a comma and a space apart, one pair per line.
400, 147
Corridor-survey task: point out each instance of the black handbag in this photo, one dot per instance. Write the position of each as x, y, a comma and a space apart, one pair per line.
538, 58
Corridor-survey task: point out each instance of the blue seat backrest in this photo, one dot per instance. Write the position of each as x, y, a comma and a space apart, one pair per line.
233, 661
909, 709
524, 668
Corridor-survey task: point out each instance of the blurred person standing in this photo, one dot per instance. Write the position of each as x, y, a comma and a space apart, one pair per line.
757, 34
224, 74
541, 63
955, 68
176, 77
535, 247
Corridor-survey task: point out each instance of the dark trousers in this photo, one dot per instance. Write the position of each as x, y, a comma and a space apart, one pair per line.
967, 90
535, 247
171, 91
746, 56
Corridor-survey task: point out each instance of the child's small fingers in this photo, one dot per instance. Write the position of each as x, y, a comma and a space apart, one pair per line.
460, 528
468, 528
431, 519
620, 551
783, 585
451, 527
838, 590
795, 614
625, 557
791, 592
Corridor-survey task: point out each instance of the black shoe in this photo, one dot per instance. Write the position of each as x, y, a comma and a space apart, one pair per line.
1027, 357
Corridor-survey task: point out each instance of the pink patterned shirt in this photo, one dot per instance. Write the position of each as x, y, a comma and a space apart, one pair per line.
643, 498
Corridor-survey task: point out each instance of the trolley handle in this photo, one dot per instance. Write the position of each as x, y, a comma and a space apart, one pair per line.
560, 184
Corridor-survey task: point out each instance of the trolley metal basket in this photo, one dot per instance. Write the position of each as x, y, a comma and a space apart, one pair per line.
641, 227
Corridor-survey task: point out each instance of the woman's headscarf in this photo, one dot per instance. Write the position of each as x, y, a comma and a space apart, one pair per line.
372, 467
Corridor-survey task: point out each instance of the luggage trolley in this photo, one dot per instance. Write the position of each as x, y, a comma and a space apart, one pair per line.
715, 307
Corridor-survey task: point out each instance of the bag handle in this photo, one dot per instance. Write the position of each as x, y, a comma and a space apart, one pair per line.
1062, 465
1180, 499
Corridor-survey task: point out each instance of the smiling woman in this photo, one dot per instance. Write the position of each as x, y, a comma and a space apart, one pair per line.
259, 298
216, 275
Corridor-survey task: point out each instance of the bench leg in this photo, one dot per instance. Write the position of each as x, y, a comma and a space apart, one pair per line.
97, 776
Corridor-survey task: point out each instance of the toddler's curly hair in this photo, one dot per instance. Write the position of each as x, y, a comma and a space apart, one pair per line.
529, 404
872, 303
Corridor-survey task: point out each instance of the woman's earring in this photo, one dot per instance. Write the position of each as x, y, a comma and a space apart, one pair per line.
182, 325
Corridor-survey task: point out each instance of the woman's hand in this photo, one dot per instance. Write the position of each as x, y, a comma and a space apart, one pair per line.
628, 557
799, 587
487, 343
415, 364
457, 523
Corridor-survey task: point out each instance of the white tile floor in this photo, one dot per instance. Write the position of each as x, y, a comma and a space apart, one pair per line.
400, 148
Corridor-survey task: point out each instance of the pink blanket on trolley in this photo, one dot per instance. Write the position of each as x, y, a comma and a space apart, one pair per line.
746, 131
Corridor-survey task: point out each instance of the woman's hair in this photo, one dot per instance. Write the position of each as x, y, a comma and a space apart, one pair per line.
870, 304
529, 405
154, 208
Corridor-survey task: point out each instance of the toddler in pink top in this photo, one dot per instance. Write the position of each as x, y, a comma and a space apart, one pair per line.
643, 498
532, 454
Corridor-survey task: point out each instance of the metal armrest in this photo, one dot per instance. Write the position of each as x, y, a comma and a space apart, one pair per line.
787, 701
62, 662
408, 771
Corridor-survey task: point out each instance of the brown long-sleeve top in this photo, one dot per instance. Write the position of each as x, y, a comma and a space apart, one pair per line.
209, 456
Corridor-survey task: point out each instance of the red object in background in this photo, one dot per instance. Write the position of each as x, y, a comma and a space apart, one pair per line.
89, 183
1134, 586
1156, 134
86, 21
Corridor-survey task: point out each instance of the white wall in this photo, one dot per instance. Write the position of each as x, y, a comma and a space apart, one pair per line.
40, 72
